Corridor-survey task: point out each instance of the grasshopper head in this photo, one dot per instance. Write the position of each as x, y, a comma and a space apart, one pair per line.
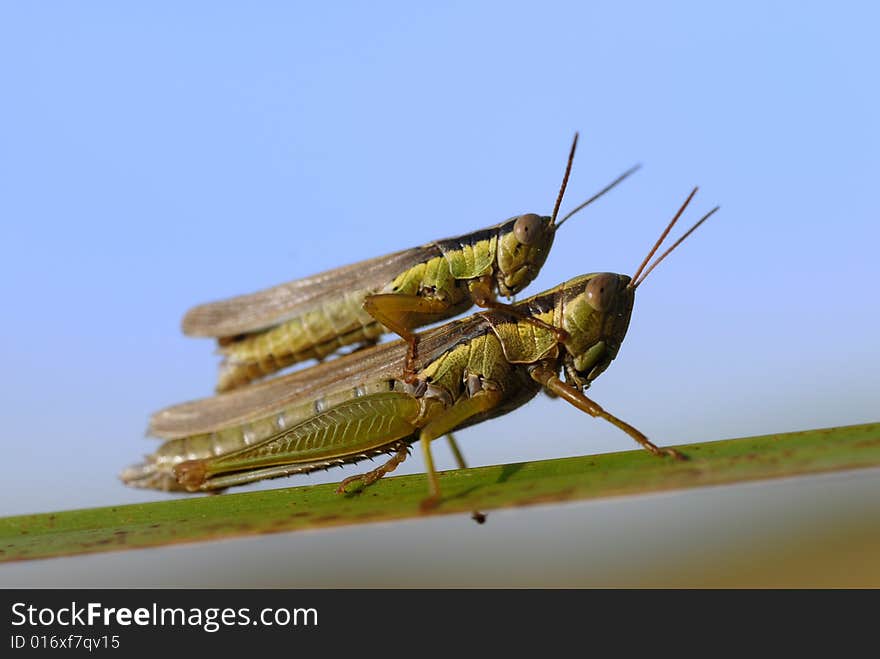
523, 244
596, 309
524, 241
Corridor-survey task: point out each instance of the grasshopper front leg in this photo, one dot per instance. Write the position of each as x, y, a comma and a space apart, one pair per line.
548, 378
483, 296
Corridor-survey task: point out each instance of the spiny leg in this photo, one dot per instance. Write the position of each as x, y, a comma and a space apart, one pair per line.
372, 476
549, 379
481, 401
476, 515
400, 314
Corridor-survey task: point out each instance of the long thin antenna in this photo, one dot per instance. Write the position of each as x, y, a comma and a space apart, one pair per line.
675, 244
663, 236
626, 174
564, 180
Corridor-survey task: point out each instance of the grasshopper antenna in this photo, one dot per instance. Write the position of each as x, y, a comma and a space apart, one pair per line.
663, 236
640, 276
626, 174
564, 180
676, 244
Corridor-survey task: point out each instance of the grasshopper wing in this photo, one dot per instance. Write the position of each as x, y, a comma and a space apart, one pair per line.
271, 306
379, 363
263, 398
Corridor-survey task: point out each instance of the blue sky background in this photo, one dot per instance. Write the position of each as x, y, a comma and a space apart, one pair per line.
159, 155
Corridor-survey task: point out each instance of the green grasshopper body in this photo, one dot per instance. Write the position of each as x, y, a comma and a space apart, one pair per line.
359, 405
314, 317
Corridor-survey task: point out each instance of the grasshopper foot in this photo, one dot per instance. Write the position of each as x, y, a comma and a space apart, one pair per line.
430, 503
664, 452
372, 476
672, 453
343, 486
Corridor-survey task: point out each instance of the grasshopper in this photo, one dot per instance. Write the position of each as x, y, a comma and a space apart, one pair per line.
358, 406
313, 317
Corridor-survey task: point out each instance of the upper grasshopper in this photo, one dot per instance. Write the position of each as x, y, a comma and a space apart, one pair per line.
359, 405
313, 317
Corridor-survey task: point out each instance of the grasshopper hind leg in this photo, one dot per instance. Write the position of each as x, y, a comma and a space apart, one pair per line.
370, 477
373, 475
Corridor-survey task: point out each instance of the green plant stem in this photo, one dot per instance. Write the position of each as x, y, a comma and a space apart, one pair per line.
196, 519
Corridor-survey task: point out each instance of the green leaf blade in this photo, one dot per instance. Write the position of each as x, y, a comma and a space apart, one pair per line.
200, 519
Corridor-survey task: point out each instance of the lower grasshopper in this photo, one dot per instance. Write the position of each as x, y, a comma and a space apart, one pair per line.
359, 406
263, 332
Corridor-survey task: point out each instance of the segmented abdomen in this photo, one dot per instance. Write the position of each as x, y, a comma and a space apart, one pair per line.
313, 335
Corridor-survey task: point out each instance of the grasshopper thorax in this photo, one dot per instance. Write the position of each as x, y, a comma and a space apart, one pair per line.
595, 311
523, 244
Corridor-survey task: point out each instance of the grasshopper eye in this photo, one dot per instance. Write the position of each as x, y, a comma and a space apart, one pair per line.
601, 291
528, 228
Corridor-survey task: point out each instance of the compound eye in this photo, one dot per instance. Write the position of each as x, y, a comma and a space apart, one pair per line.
528, 228
601, 291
